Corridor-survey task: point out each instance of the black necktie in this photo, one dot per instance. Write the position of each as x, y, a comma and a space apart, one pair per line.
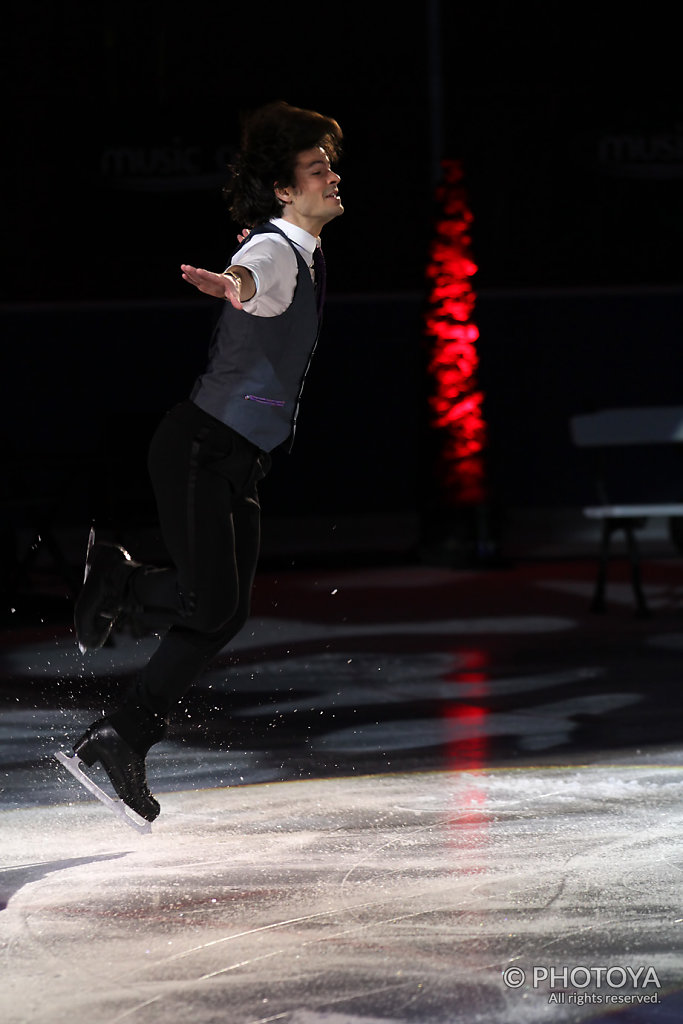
320, 276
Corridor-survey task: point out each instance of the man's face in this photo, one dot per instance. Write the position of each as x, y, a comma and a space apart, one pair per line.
314, 199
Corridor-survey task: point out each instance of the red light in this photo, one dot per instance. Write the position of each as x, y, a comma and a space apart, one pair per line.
456, 401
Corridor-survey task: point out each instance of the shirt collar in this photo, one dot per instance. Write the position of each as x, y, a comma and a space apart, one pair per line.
303, 239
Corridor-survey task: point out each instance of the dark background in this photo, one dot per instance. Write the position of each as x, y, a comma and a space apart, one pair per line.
569, 122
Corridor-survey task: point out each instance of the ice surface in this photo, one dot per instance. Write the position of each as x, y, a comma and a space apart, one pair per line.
372, 808
392, 898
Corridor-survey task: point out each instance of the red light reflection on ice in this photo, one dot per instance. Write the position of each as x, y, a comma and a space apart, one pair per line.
468, 747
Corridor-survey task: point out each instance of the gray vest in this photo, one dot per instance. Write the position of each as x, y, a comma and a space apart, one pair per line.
257, 364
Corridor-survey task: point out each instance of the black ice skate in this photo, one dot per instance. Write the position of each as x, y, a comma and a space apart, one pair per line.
102, 598
126, 771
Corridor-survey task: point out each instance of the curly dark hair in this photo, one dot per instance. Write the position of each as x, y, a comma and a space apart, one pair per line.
272, 137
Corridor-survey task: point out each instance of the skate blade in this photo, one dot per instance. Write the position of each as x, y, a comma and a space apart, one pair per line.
86, 573
86, 570
72, 765
91, 541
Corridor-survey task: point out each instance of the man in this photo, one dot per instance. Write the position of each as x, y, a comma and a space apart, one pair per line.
209, 452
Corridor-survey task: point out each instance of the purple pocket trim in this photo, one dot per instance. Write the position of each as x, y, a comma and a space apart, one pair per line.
263, 401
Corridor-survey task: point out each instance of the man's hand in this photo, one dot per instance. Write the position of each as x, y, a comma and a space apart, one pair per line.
221, 286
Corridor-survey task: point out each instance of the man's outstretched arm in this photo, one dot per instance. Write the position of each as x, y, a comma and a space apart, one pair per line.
236, 284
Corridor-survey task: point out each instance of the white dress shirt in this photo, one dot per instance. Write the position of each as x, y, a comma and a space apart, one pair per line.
274, 266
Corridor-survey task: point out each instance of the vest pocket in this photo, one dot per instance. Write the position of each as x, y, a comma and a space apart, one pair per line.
263, 401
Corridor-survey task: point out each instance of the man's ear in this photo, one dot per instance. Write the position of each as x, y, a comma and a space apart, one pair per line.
283, 195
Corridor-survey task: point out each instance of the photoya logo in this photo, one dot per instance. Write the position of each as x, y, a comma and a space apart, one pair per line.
637, 155
174, 167
610, 986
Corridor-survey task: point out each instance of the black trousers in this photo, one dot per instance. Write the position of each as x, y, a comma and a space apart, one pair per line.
205, 479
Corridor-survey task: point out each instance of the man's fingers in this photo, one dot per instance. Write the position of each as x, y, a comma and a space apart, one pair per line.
213, 284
